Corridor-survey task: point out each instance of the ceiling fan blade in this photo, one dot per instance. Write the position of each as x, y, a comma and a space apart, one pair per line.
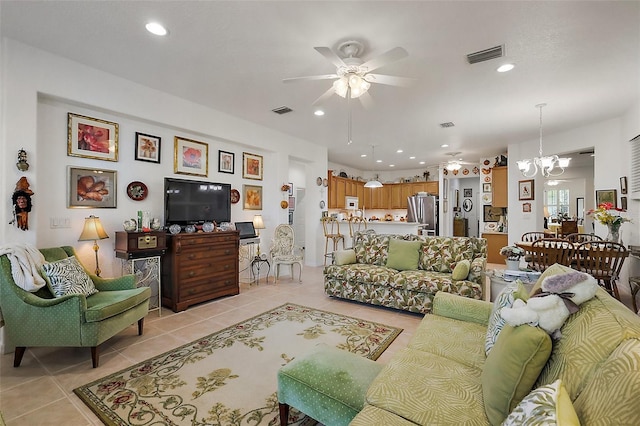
390, 80
331, 56
366, 100
326, 95
392, 55
310, 77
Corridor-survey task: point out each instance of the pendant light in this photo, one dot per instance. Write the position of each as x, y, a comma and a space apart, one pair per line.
373, 183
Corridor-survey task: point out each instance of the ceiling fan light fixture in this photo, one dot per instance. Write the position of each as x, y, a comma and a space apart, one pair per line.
453, 165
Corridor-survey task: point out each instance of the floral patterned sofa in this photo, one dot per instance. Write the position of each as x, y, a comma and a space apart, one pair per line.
370, 280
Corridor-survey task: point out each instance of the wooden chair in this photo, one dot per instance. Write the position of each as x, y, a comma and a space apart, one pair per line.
546, 251
331, 228
603, 260
283, 251
568, 227
356, 224
529, 237
578, 238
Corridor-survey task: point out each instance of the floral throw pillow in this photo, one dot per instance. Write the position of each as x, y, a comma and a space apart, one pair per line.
548, 405
505, 299
67, 276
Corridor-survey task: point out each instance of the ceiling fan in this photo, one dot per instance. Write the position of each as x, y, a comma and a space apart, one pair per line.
353, 76
454, 164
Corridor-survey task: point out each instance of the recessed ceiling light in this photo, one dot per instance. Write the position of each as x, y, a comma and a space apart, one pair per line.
399, 151
378, 161
412, 158
505, 67
363, 155
422, 162
392, 165
156, 28
318, 112
444, 145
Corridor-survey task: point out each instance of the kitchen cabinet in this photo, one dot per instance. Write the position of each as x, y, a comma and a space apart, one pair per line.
460, 227
499, 187
495, 241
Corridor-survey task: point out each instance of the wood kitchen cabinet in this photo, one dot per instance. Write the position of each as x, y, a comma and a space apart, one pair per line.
499, 187
495, 241
199, 267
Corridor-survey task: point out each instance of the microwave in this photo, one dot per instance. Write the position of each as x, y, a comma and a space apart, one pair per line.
351, 203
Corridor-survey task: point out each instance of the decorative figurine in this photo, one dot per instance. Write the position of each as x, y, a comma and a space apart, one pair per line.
22, 203
22, 164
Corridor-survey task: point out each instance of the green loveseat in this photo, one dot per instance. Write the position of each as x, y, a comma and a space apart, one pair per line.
437, 379
40, 319
370, 280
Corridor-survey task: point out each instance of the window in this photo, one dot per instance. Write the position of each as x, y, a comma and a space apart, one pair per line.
557, 202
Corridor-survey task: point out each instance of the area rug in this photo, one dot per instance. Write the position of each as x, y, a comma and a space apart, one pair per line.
229, 377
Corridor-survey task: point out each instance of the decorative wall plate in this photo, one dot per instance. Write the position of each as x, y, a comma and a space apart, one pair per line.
284, 204
137, 191
322, 204
319, 181
235, 196
325, 182
486, 198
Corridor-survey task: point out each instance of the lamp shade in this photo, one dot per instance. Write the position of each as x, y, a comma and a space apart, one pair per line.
92, 230
258, 223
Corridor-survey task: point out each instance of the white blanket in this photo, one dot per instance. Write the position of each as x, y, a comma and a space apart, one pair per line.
26, 262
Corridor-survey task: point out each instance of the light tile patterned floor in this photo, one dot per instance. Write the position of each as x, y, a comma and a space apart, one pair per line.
40, 391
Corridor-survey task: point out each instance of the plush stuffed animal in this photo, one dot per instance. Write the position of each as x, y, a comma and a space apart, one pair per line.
559, 297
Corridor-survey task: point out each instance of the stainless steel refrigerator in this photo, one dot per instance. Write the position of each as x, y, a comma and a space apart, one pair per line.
423, 208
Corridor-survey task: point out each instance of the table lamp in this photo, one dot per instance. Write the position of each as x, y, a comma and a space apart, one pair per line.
258, 224
93, 231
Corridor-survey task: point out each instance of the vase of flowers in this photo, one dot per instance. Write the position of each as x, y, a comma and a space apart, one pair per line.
609, 216
513, 255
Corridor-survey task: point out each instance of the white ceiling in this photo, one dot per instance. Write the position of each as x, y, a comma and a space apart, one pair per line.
581, 58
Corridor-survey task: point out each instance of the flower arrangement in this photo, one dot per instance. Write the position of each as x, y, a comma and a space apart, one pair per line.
605, 214
512, 252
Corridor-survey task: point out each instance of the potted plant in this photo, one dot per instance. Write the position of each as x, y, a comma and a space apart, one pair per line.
513, 255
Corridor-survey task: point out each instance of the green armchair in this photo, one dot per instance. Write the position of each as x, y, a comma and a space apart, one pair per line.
40, 319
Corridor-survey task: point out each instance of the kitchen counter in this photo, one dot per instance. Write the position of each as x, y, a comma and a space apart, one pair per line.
381, 227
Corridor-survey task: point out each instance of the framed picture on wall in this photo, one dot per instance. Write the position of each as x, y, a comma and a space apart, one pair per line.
190, 157
486, 187
525, 189
147, 148
252, 197
492, 214
623, 185
91, 188
607, 196
226, 162
89, 137
623, 203
252, 166
467, 193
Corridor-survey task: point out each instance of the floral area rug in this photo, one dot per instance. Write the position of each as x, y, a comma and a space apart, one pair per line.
229, 377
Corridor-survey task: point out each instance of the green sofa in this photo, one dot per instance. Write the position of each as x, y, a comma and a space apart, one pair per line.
40, 319
438, 379
370, 280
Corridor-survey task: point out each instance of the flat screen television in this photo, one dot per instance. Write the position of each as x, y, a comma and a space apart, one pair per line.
188, 202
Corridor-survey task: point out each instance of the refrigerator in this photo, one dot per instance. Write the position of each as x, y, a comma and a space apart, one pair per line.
423, 209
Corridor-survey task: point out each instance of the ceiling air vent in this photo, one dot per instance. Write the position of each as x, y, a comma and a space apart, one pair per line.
486, 55
447, 124
282, 110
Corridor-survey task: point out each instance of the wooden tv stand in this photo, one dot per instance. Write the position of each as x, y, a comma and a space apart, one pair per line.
199, 267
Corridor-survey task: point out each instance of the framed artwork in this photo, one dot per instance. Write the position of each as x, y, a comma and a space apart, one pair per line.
623, 185
292, 203
252, 197
468, 193
91, 188
290, 189
525, 189
190, 157
486, 187
226, 162
147, 148
89, 137
526, 207
467, 204
607, 196
492, 214
623, 203
251, 166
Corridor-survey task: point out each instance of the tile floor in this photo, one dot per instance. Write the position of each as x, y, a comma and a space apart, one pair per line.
40, 391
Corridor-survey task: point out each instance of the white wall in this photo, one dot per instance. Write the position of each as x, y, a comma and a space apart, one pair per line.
41, 88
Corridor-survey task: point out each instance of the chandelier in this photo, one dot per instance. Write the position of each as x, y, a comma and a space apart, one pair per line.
374, 182
551, 165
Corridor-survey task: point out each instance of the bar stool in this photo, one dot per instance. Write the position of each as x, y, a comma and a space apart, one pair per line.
331, 228
356, 224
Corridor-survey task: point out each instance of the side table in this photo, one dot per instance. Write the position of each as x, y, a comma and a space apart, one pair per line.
498, 283
256, 264
147, 272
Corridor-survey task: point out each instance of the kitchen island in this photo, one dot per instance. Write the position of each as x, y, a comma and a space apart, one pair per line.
381, 227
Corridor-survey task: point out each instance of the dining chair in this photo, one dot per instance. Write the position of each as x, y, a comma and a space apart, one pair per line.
529, 237
577, 238
603, 260
568, 227
547, 251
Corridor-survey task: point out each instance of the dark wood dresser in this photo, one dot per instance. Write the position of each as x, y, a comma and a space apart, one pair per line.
199, 267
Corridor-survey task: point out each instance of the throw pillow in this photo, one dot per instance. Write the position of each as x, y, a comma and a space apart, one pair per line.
344, 257
67, 276
547, 405
403, 255
461, 271
505, 299
511, 369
